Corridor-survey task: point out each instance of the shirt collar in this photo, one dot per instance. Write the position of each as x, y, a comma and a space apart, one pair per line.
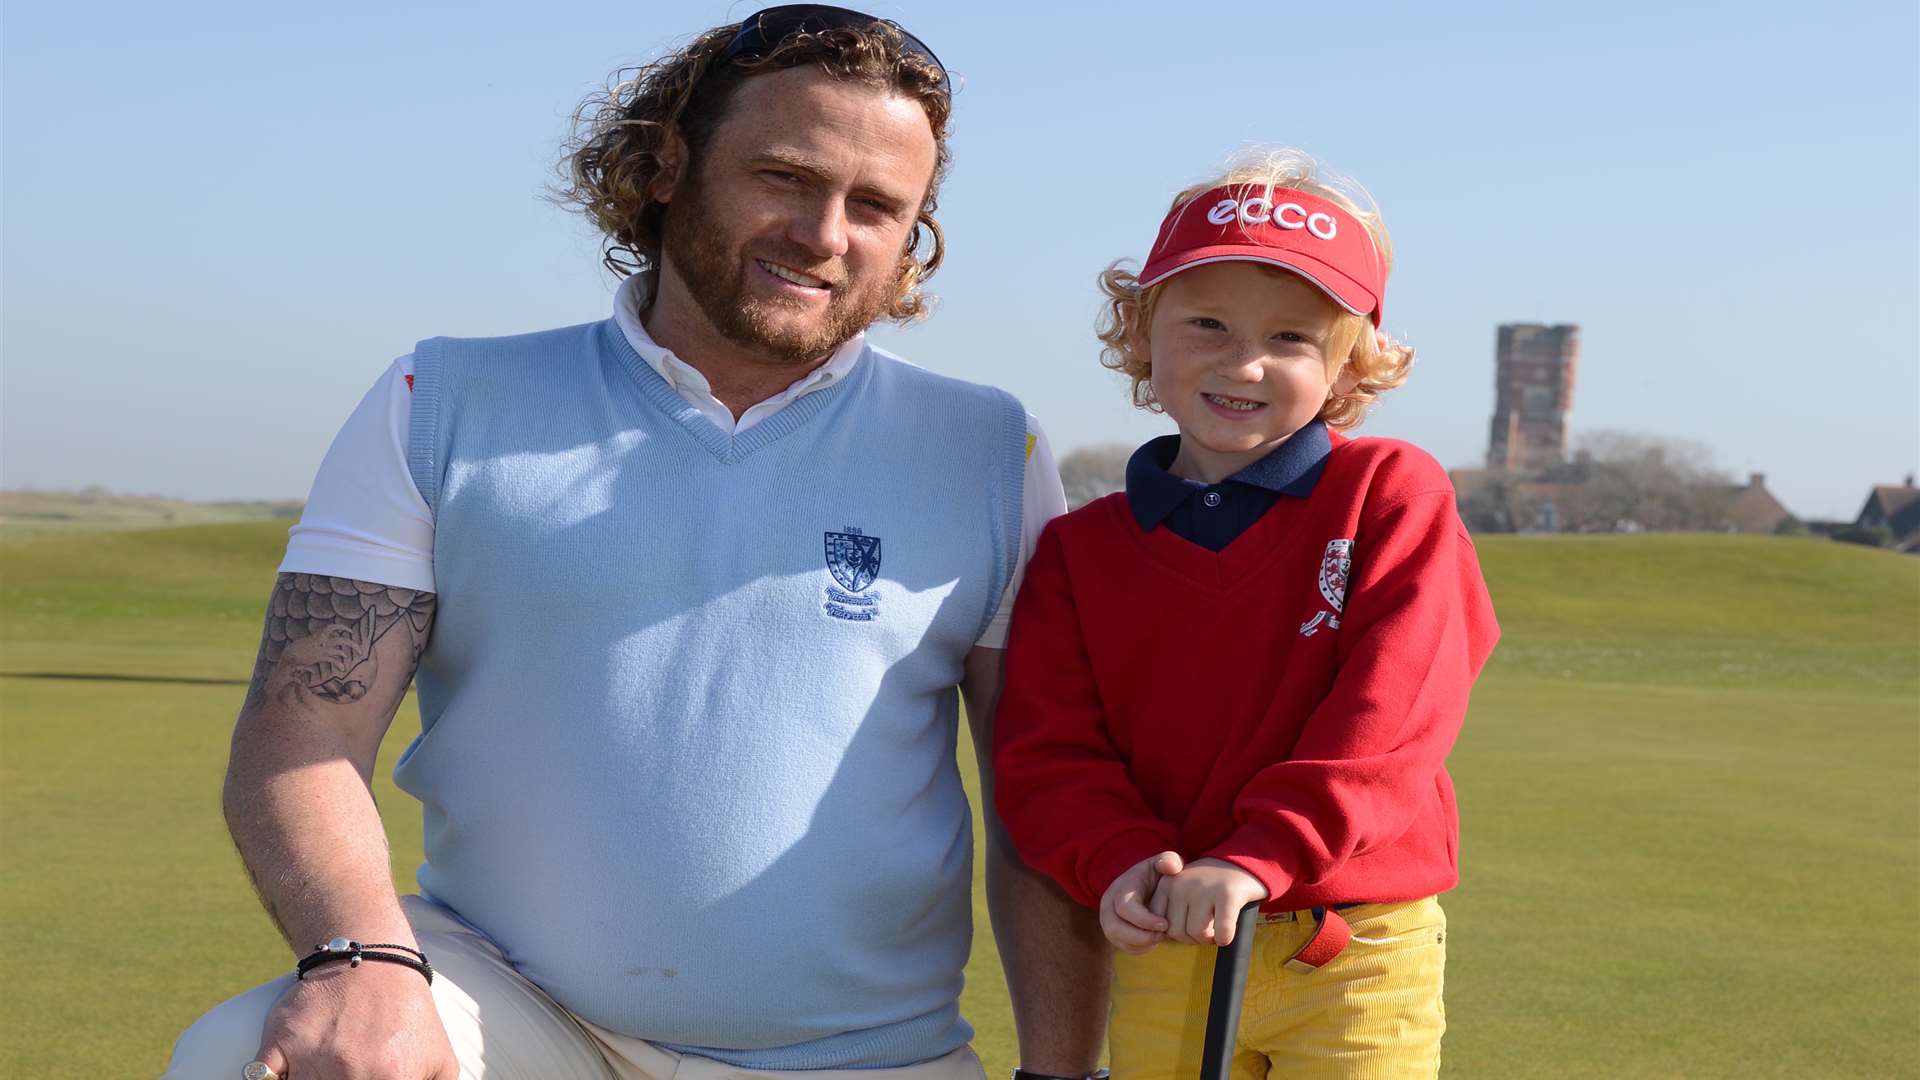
681, 375
1292, 468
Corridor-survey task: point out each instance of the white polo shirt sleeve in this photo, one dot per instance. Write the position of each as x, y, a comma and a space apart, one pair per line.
1042, 499
365, 520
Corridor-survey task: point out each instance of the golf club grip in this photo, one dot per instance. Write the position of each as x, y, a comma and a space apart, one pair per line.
1223, 1005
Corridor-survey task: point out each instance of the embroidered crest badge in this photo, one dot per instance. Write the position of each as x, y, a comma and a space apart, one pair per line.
1334, 567
853, 558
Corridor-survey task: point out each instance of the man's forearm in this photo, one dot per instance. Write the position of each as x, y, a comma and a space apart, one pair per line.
313, 843
1058, 965
335, 661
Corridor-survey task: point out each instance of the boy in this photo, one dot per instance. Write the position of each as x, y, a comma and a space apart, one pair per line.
1237, 682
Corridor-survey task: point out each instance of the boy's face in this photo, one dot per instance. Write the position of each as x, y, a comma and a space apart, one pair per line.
1240, 361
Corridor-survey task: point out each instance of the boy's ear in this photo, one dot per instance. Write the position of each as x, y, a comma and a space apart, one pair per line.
1347, 380
673, 167
1138, 345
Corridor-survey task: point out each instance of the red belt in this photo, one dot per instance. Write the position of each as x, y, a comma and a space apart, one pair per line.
1329, 939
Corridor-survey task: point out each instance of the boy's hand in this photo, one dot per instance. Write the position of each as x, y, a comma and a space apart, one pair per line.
1124, 916
1201, 904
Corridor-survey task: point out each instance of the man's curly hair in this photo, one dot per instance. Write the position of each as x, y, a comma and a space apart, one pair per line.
619, 146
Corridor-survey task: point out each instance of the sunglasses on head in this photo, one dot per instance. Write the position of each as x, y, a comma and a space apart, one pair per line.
763, 31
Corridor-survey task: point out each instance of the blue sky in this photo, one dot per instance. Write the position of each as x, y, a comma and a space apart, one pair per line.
221, 221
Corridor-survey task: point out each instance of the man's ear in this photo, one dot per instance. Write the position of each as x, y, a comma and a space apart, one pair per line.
673, 169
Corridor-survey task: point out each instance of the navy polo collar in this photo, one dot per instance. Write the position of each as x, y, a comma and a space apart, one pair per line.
1292, 468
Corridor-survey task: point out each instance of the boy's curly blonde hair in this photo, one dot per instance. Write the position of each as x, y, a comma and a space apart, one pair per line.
1378, 362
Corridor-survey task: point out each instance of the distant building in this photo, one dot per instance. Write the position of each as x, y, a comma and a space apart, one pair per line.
1754, 509
1531, 485
1533, 395
1496, 500
1499, 500
1896, 509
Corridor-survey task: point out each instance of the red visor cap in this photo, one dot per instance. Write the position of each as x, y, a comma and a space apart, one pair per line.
1308, 235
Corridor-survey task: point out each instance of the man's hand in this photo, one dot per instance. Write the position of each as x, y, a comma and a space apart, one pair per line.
1124, 915
1201, 904
373, 1021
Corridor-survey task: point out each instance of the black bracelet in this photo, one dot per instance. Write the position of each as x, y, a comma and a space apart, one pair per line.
1024, 1074
353, 952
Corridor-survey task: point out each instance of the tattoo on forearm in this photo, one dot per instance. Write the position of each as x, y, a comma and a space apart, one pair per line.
324, 630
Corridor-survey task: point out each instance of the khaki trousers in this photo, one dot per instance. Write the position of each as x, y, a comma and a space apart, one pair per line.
505, 1028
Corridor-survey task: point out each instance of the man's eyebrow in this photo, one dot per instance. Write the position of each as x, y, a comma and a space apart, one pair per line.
894, 204
800, 161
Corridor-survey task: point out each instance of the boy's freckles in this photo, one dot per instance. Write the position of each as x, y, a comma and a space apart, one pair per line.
1239, 362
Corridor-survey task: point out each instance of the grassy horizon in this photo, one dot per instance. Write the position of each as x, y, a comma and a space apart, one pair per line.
32, 515
1691, 838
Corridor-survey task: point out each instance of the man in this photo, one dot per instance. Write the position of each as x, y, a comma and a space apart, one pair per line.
689, 592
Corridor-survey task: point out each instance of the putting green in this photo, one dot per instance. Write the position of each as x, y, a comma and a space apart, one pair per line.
1688, 786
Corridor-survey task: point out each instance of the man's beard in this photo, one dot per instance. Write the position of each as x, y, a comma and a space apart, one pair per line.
694, 239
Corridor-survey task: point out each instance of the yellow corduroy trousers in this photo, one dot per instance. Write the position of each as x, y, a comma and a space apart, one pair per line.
1373, 1013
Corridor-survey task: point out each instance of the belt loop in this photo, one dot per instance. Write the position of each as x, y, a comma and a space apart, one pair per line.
1330, 938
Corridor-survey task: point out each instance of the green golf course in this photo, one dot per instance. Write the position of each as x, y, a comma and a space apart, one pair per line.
1689, 787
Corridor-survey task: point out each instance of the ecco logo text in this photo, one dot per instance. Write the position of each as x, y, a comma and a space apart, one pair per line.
1260, 211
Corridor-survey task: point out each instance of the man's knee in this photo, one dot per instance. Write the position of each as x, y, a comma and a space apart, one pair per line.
220, 1043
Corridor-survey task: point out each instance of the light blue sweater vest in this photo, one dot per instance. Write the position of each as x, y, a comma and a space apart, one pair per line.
688, 711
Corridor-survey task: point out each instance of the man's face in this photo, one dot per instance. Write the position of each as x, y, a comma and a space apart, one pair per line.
788, 233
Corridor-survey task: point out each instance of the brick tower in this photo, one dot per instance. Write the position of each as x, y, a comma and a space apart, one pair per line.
1533, 393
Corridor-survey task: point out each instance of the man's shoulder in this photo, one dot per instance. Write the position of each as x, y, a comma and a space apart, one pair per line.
905, 373
560, 338
512, 368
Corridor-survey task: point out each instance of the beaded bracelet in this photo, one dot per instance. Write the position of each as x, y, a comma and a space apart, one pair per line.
353, 952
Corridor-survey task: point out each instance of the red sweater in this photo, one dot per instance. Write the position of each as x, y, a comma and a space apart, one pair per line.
1266, 704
